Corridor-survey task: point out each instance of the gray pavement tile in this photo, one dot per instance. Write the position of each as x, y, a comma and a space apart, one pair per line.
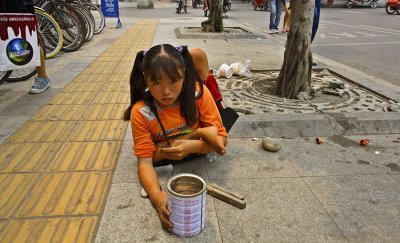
9, 124
130, 218
277, 210
126, 170
128, 135
365, 207
195, 166
339, 155
285, 125
73, 69
29, 104
96, 51
61, 79
8, 96
246, 158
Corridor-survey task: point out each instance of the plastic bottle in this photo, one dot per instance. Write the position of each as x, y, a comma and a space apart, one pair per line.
245, 70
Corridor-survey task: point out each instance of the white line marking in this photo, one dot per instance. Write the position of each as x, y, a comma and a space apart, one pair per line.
364, 28
349, 11
354, 44
379, 28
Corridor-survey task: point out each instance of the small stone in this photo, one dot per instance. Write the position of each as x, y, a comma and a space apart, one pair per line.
270, 144
394, 107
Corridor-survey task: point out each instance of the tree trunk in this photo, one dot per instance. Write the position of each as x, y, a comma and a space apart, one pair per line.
295, 74
214, 22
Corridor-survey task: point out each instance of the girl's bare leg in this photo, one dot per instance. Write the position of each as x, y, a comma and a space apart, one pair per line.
200, 62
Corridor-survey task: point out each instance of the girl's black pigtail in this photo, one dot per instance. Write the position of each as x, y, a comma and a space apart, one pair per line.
137, 84
187, 96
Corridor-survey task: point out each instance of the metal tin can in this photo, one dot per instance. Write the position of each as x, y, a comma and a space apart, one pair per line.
187, 203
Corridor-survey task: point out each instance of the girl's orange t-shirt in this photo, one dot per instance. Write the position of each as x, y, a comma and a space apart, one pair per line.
148, 135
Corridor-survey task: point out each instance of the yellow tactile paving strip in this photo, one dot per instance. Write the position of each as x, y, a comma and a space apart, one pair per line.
56, 170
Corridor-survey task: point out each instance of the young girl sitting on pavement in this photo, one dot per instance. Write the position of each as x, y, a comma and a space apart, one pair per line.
172, 114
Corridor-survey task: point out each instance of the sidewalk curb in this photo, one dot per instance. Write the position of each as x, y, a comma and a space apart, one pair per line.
311, 125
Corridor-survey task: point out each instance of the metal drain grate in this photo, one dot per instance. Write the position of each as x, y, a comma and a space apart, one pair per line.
254, 95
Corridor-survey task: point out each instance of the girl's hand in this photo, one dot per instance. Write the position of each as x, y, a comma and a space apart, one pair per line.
160, 202
179, 149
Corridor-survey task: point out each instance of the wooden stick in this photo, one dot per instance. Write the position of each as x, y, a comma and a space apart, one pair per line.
240, 196
226, 197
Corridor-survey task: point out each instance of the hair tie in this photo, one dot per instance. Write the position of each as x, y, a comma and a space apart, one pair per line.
144, 52
179, 48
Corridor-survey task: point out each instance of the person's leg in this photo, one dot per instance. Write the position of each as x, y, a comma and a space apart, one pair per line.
279, 7
42, 82
41, 70
315, 19
315, 22
200, 62
272, 16
289, 21
285, 25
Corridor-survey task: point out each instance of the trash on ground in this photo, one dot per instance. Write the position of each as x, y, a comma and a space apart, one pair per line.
270, 144
364, 142
211, 157
319, 140
336, 85
377, 152
336, 92
255, 139
225, 71
241, 69
394, 107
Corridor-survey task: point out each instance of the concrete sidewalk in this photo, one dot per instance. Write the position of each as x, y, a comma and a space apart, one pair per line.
77, 181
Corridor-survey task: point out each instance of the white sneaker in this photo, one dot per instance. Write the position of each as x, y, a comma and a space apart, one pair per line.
276, 31
271, 31
40, 85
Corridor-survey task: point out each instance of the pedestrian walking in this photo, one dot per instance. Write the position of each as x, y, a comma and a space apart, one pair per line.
275, 7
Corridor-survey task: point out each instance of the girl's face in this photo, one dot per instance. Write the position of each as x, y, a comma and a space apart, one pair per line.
166, 91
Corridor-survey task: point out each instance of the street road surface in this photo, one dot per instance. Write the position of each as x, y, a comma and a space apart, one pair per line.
363, 38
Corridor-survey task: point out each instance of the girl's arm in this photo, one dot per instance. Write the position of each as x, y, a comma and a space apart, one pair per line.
148, 179
202, 141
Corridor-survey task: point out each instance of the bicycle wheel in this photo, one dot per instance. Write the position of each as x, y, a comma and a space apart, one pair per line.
88, 20
69, 20
51, 33
98, 16
390, 10
4, 75
26, 73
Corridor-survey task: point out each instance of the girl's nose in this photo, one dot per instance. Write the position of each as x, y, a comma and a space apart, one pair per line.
165, 89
